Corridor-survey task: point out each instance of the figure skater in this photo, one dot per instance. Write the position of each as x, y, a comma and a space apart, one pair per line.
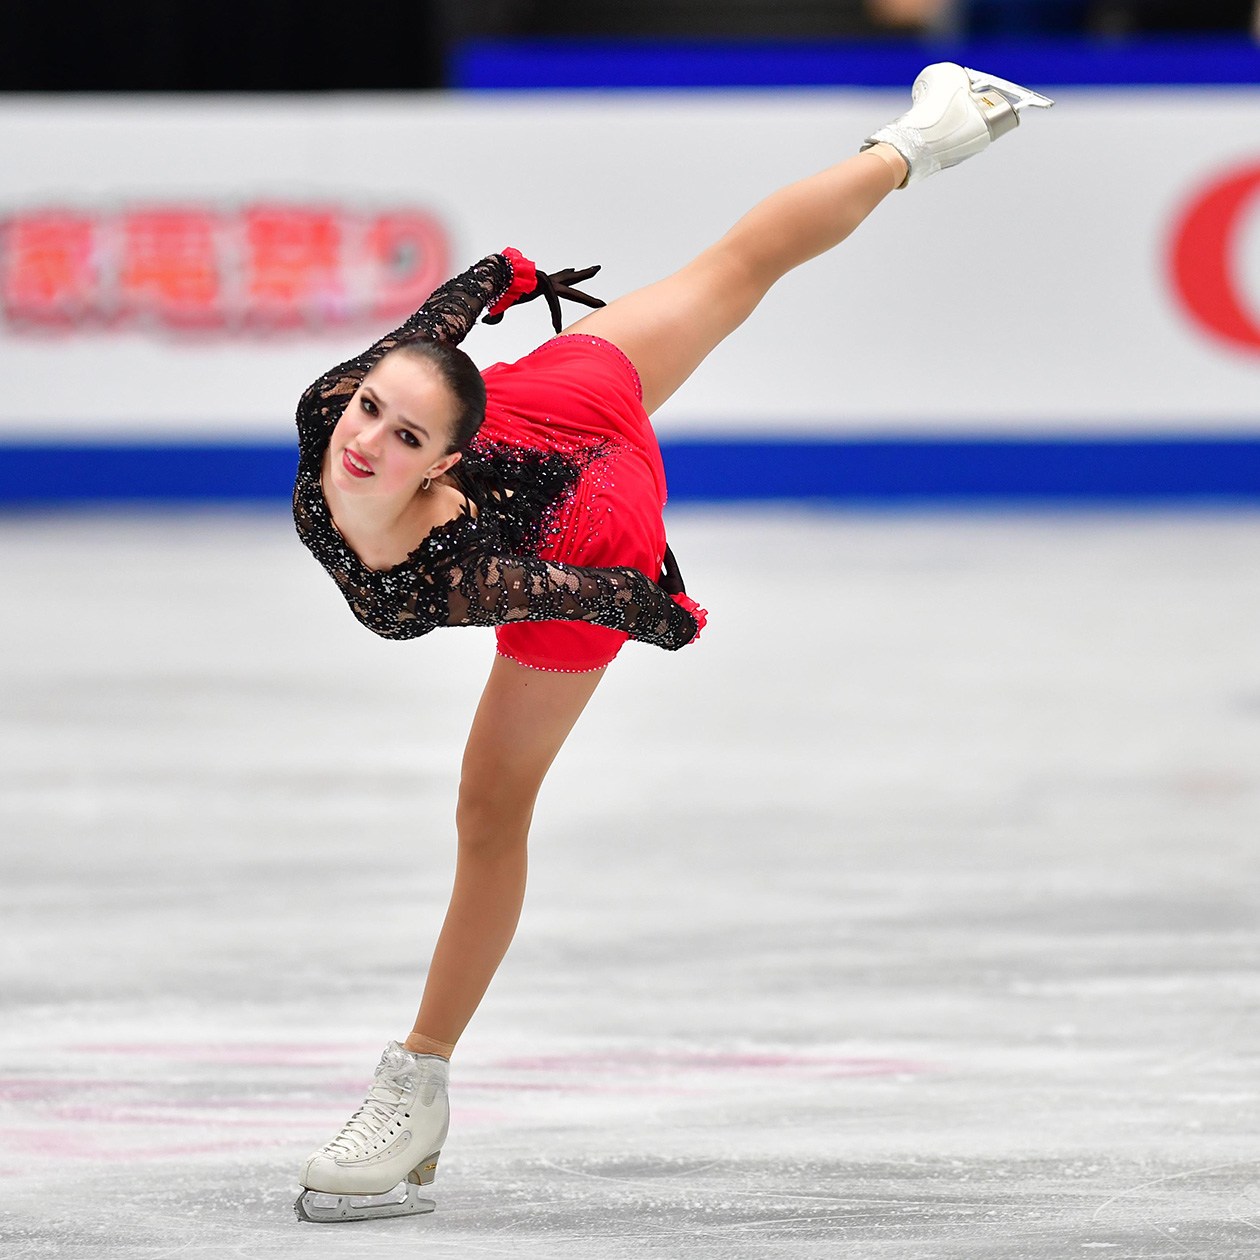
529, 498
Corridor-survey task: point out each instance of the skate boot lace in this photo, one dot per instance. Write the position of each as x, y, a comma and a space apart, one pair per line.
376, 1114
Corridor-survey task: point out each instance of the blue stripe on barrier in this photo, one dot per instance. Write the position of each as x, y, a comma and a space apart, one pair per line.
901, 470
32, 474
555, 64
925, 469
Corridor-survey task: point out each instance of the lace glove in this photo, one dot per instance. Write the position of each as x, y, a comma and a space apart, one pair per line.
529, 283
497, 590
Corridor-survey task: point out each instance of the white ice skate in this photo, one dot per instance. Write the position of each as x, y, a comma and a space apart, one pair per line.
956, 114
388, 1148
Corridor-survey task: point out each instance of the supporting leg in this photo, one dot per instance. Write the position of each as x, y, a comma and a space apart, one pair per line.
668, 328
523, 719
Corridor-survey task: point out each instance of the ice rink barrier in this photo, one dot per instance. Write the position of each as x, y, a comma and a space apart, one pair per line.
1153, 471
1075, 316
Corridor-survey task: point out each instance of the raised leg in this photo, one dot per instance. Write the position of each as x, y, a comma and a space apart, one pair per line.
524, 717
668, 328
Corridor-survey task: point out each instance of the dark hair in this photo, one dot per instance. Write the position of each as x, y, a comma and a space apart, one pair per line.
460, 374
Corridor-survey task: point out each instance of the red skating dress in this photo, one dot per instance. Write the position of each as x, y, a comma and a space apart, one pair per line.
580, 395
561, 539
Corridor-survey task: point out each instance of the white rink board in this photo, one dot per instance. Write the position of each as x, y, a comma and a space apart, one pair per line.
1026, 292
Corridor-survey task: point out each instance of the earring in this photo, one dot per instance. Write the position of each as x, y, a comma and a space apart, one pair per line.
424, 485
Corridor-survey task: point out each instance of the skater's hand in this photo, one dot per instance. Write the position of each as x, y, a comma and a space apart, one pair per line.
553, 287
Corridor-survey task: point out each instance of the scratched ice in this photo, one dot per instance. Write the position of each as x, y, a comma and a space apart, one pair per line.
913, 914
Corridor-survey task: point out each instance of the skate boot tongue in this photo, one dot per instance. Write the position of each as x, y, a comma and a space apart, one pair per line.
389, 1092
403, 1072
397, 1071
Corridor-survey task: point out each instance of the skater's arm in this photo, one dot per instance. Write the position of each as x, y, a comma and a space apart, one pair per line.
493, 590
498, 590
496, 283
447, 315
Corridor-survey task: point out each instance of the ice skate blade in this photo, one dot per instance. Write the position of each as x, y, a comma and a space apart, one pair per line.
1019, 97
320, 1208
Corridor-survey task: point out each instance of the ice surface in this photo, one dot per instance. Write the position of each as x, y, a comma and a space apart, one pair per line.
930, 929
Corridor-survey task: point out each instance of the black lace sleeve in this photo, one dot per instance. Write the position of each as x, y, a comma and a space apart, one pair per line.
497, 590
448, 315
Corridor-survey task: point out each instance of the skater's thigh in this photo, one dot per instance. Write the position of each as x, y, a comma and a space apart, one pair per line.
522, 721
668, 328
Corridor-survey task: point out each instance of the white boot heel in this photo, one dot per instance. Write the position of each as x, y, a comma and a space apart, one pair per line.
1019, 97
956, 113
423, 1174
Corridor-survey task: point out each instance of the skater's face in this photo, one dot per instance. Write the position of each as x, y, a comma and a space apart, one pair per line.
396, 430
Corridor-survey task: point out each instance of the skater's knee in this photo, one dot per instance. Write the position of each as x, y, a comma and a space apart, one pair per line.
743, 266
492, 818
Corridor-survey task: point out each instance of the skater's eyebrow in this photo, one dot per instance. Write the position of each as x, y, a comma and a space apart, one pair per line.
410, 424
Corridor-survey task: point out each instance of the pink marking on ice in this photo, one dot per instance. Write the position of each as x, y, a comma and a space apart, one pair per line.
78, 1146
21, 1087
202, 1148
192, 1115
22, 1090
50, 1090
43, 1142
644, 1063
466, 1116
235, 1104
568, 1087
264, 1054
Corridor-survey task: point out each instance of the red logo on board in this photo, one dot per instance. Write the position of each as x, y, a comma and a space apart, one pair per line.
1205, 258
267, 266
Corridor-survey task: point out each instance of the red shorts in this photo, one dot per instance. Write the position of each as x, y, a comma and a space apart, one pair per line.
575, 393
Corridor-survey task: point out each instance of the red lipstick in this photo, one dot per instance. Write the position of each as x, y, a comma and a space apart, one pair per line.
355, 464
